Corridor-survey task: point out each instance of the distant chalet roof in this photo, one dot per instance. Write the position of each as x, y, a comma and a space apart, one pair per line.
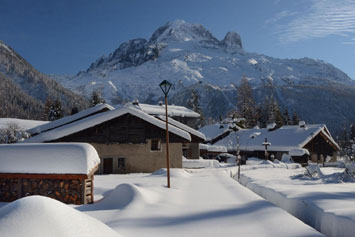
184, 127
72, 118
173, 110
214, 130
96, 119
285, 138
48, 158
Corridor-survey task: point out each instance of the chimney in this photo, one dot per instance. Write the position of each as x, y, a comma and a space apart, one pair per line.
135, 102
302, 124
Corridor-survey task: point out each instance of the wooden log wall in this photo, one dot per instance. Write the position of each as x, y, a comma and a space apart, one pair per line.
70, 191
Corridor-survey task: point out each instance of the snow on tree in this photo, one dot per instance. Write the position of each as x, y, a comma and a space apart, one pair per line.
194, 104
245, 103
12, 133
96, 98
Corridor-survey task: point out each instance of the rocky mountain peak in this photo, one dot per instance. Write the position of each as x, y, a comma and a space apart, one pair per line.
180, 30
232, 41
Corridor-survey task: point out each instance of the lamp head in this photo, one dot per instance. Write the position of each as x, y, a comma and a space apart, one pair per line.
165, 87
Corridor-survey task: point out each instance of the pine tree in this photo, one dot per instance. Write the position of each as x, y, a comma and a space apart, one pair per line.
245, 103
56, 110
96, 98
286, 118
194, 104
47, 109
295, 119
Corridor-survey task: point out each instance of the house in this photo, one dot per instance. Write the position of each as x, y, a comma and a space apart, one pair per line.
308, 141
61, 171
190, 149
179, 113
100, 108
211, 151
126, 139
218, 131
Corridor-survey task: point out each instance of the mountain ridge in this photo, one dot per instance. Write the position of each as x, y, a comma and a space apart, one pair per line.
189, 56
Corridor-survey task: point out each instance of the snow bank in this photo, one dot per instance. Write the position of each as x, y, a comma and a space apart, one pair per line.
41, 216
200, 163
178, 173
256, 163
325, 207
124, 196
286, 159
56, 158
22, 123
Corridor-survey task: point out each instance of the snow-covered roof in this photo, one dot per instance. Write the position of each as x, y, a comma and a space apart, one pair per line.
69, 119
173, 110
298, 152
48, 158
96, 119
285, 138
213, 148
214, 130
183, 127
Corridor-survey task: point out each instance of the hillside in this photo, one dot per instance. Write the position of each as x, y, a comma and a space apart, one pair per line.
24, 89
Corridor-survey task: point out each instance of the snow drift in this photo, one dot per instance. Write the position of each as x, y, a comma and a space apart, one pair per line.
41, 216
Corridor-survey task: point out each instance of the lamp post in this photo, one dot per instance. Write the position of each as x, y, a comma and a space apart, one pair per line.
239, 158
165, 87
266, 144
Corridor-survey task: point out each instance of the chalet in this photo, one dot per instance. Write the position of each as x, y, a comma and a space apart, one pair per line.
190, 149
126, 139
178, 113
211, 151
61, 171
302, 141
100, 108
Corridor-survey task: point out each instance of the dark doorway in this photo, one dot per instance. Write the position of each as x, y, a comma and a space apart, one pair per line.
108, 166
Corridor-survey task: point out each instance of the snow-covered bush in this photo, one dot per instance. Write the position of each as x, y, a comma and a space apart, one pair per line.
12, 133
286, 158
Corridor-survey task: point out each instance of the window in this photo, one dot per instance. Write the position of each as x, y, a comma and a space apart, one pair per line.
121, 163
155, 145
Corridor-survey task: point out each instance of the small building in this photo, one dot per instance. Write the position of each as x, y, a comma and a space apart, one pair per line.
179, 113
211, 151
314, 138
127, 140
64, 172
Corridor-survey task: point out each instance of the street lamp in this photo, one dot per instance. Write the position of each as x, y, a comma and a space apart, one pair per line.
266, 144
165, 87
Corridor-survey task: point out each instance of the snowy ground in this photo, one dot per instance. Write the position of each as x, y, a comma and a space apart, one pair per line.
204, 202
201, 202
22, 123
325, 203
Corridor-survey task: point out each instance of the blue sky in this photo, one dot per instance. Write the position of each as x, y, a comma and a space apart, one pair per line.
64, 37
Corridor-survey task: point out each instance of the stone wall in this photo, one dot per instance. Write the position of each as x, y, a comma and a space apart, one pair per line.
140, 157
70, 191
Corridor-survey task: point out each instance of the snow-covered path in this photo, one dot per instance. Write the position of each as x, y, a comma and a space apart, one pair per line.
200, 203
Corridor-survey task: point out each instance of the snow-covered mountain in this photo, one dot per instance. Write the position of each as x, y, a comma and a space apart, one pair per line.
189, 56
24, 90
